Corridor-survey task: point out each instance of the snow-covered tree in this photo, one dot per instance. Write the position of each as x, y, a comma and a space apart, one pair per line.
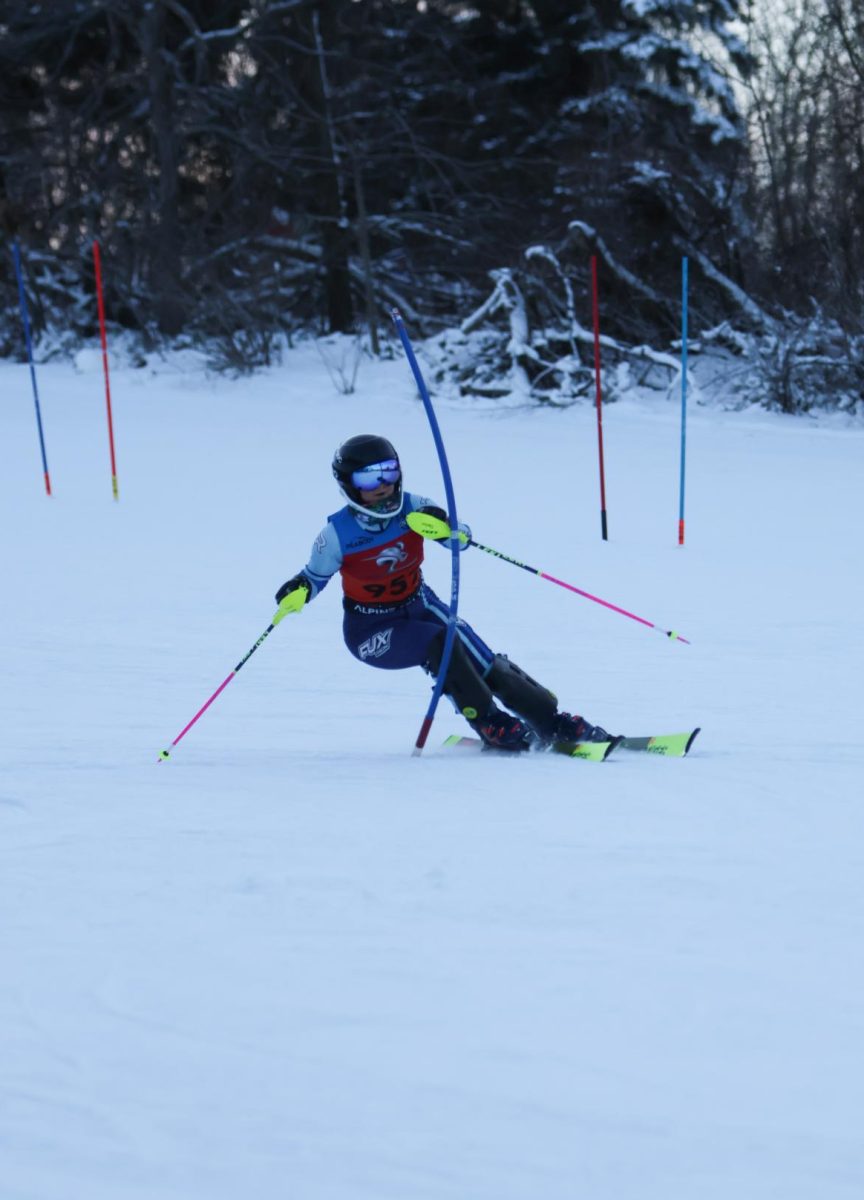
619, 115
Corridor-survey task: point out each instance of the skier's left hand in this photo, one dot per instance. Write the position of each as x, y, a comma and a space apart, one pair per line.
432, 510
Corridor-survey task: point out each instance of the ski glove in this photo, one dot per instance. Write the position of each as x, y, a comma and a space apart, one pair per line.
432, 510
293, 594
464, 532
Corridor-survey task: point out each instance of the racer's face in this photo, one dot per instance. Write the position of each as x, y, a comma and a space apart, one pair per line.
383, 492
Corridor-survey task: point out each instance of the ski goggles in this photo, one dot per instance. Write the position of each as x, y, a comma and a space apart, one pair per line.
369, 478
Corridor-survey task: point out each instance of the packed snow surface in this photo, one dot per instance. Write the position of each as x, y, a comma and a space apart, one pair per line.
296, 961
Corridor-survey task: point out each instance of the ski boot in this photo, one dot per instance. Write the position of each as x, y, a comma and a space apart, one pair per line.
502, 731
572, 729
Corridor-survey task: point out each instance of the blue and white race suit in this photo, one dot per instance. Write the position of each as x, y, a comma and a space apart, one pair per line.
391, 615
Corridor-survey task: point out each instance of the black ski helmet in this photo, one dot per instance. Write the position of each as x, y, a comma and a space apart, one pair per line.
366, 450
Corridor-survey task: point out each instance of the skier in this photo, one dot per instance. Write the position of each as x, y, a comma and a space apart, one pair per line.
393, 619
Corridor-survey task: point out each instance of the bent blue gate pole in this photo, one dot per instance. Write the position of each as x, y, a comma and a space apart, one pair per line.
25, 320
454, 544
683, 398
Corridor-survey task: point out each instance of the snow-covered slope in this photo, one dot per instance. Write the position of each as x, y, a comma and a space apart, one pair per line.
295, 961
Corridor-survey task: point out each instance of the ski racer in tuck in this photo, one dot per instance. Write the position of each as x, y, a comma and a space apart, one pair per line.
393, 619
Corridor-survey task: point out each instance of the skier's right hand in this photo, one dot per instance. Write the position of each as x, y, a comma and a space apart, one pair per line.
293, 594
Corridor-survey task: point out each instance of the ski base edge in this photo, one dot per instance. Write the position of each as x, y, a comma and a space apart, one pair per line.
588, 751
664, 745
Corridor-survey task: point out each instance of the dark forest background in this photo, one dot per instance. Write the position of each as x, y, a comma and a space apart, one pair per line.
254, 170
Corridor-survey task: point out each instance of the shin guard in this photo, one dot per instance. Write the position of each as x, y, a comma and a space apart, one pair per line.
524, 695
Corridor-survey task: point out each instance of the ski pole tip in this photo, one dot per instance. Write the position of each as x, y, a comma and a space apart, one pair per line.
163, 754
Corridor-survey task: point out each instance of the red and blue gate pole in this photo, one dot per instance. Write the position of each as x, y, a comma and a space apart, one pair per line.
25, 320
683, 398
454, 542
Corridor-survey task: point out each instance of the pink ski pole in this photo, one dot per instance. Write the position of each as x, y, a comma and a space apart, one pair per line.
429, 526
283, 610
670, 633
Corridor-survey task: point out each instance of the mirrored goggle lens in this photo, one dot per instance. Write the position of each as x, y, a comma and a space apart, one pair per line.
371, 477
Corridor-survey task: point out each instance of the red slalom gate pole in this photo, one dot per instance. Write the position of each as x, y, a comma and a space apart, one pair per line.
97, 262
596, 308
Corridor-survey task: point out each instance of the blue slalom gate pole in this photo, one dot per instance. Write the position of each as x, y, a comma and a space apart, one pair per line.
25, 320
683, 398
454, 544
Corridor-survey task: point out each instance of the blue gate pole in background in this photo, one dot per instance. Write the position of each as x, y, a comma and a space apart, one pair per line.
25, 319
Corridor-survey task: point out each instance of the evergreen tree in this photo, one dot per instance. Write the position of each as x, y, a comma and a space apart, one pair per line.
252, 161
614, 115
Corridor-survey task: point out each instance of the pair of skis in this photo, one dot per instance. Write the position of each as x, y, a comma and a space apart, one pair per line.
669, 745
